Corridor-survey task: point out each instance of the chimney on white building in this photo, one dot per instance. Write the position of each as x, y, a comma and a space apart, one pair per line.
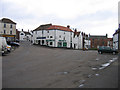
68, 26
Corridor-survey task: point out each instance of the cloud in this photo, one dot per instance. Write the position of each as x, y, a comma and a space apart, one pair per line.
88, 15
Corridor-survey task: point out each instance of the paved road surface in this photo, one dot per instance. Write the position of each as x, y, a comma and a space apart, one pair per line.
32, 66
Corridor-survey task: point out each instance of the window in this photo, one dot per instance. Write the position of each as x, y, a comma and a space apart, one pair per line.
47, 31
42, 32
51, 43
51, 37
11, 26
64, 38
59, 44
10, 32
47, 36
103, 43
36, 32
4, 25
60, 36
4, 31
64, 44
64, 32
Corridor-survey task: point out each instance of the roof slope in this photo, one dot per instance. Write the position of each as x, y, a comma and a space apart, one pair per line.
42, 27
59, 28
52, 27
6, 20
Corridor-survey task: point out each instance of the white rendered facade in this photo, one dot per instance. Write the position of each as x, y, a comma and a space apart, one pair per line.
78, 42
115, 41
53, 38
25, 36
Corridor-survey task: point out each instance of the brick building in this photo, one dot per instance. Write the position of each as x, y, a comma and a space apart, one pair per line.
97, 40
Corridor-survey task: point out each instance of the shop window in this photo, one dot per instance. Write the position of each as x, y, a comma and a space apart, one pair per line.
64, 44
59, 44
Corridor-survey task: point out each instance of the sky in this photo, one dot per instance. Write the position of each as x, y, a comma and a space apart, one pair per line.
95, 17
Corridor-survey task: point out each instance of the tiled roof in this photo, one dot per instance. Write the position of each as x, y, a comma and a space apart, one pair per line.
27, 33
53, 27
97, 36
42, 27
6, 20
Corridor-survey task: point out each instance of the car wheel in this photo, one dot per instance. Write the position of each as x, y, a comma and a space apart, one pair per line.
114, 53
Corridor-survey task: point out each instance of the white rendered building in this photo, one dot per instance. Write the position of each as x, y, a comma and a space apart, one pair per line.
53, 36
25, 36
57, 36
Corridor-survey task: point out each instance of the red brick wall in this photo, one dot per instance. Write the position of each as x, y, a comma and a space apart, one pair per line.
98, 42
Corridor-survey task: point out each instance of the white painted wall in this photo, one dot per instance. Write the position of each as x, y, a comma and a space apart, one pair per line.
77, 42
115, 41
54, 36
87, 43
22, 37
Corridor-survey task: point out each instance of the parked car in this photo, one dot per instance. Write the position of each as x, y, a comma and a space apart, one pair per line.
3, 45
17, 40
8, 48
105, 49
14, 44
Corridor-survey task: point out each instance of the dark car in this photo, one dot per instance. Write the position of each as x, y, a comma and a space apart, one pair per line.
17, 40
14, 44
105, 49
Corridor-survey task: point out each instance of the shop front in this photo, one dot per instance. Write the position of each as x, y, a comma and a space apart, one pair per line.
9, 38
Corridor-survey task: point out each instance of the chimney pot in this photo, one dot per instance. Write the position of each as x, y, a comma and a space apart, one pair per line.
68, 26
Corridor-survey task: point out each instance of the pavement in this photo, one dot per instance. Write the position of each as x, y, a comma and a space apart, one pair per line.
33, 66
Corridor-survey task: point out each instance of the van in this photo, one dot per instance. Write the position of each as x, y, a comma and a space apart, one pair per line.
3, 45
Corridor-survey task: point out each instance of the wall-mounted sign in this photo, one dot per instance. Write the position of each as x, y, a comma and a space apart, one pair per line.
41, 38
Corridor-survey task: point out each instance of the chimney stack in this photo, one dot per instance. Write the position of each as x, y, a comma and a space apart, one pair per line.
75, 30
68, 26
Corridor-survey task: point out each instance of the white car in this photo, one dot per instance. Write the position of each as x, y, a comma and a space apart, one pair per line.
8, 48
